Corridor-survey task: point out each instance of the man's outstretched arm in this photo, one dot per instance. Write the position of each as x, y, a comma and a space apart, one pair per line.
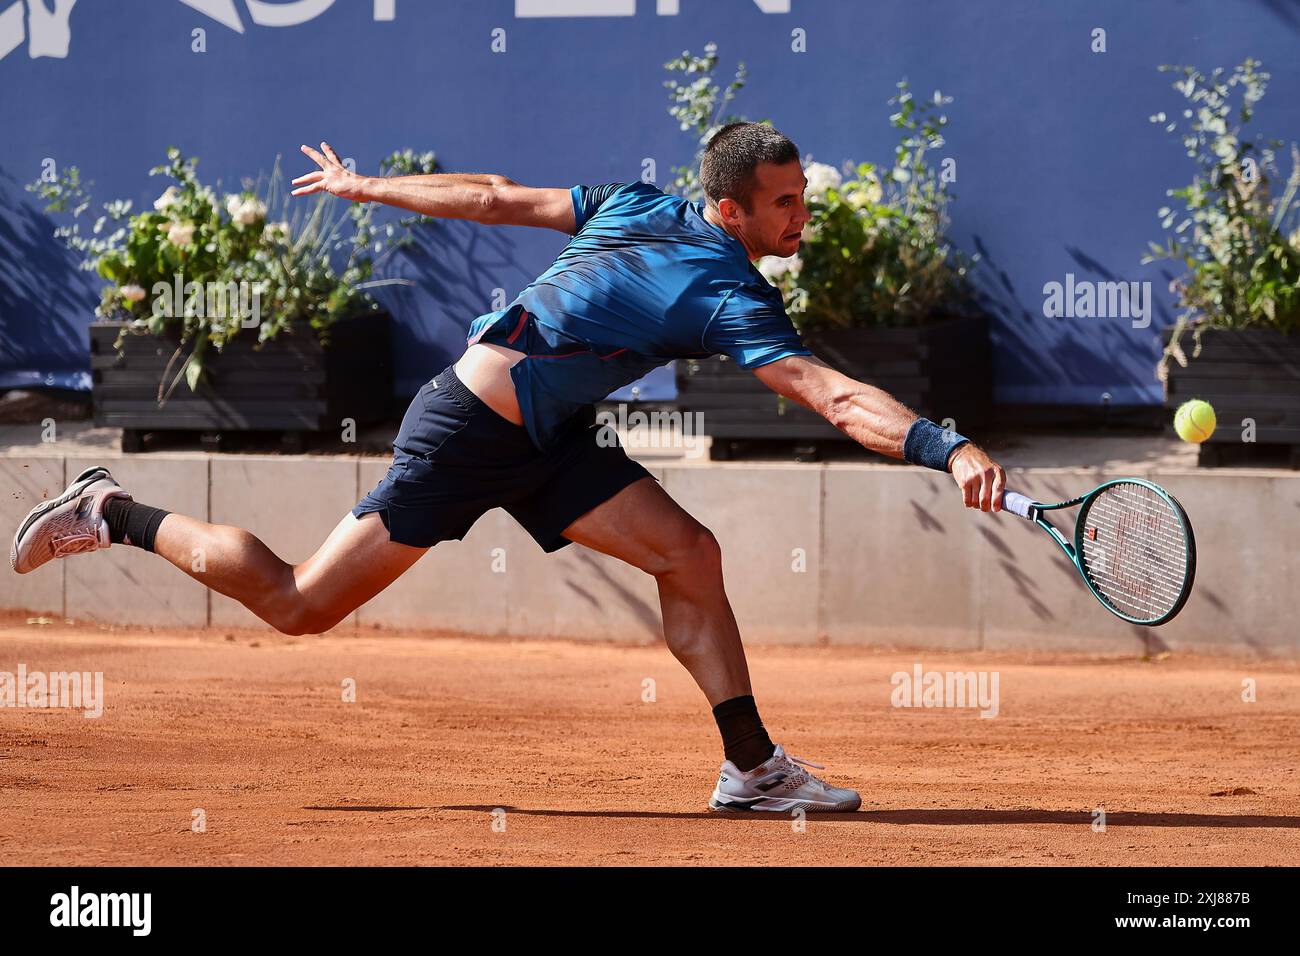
875, 420
478, 197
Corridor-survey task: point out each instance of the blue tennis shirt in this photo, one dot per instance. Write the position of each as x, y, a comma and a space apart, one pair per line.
644, 280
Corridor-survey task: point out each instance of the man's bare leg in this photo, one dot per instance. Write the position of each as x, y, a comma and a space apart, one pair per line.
643, 526
355, 563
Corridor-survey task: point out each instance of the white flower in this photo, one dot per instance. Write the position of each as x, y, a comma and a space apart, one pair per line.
253, 211
821, 177
180, 233
132, 293
1295, 240
773, 269
276, 231
808, 232
244, 211
171, 195
865, 193
1225, 147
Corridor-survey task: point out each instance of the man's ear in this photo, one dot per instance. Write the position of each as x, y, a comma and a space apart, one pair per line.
728, 209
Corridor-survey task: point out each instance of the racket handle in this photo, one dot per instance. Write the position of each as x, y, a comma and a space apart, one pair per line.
1018, 504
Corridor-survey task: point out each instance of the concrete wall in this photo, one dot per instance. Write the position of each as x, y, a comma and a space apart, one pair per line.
840, 553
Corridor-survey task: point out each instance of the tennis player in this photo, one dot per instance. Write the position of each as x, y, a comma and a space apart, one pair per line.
646, 278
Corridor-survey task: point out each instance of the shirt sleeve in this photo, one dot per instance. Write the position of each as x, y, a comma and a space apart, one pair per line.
587, 199
752, 329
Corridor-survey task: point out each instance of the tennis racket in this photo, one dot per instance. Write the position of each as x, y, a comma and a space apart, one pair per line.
1132, 544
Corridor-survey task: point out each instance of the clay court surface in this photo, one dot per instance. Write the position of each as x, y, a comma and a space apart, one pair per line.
251, 728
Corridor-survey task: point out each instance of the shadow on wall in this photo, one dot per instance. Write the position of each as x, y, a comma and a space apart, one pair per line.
647, 614
1048, 348
453, 267
1285, 10
46, 302
1134, 352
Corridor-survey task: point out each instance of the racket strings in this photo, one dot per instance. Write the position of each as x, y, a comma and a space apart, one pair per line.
1134, 550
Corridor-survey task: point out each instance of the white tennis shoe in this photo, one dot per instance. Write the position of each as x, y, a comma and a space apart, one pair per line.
780, 785
72, 523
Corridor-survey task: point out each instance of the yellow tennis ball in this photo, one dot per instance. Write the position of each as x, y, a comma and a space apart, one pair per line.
1194, 421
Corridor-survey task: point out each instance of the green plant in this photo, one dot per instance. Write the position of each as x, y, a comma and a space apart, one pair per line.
875, 252
1239, 244
698, 106
204, 268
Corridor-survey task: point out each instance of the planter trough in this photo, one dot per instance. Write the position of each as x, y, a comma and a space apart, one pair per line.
290, 385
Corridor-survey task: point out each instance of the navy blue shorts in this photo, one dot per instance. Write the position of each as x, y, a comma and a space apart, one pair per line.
455, 458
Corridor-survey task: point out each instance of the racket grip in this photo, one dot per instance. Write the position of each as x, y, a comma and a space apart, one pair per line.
1018, 504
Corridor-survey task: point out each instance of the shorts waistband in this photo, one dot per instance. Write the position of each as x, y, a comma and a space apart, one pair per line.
449, 380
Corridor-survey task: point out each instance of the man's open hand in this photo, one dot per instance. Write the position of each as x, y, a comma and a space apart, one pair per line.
332, 177
980, 478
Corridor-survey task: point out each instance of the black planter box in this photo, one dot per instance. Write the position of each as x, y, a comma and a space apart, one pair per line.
290, 384
942, 370
1245, 374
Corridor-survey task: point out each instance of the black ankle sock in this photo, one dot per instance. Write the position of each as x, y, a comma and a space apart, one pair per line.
130, 519
743, 738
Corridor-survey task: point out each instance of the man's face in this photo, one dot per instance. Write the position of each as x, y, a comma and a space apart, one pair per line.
777, 216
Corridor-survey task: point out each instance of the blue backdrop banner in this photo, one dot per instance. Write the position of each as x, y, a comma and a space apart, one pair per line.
1058, 170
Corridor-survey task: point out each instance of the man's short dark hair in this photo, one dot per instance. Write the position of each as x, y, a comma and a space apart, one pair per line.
734, 152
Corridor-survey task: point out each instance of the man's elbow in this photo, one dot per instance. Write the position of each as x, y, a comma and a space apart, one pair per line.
489, 206
795, 383
500, 202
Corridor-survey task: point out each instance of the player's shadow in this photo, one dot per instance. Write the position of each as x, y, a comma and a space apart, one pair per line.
1076, 818
643, 814
355, 808
605, 814
1071, 818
